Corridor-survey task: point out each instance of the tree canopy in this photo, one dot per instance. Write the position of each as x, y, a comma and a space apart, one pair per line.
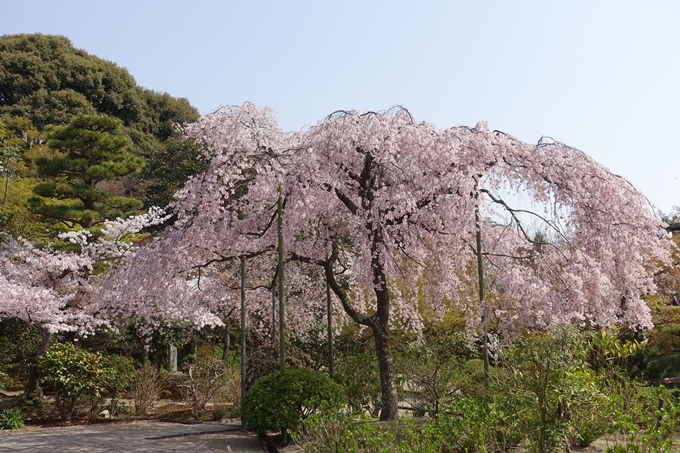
47, 81
385, 207
91, 150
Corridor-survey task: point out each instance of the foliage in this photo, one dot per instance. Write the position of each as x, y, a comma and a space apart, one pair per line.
358, 373
282, 400
44, 77
145, 388
46, 82
11, 419
168, 169
547, 399
19, 343
263, 358
325, 432
550, 372
18, 221
662, 366
92, 150
330, 432
486, 424
118, 374
20, 143
433, 371
73, 373
608, 352
203, 380
643, 419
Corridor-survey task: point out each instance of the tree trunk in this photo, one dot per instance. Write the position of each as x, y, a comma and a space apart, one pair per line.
145, 353
227, 340
65, 406
4, 199
193, 346
33, 385
379, 324
383, 349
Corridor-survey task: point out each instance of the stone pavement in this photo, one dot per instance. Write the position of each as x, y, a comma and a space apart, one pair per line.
143, 436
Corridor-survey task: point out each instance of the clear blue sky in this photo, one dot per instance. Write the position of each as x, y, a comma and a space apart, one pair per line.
603, 76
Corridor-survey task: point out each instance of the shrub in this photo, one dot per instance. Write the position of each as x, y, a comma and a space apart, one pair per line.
203, 380
550, 372
433, 371
145, 388
330, 432
327, 432
74, 373
19, 344
119, 372
491, 423
546, 396
11, 419
283, 399
358, 374
644, 419
263, 358
609, 354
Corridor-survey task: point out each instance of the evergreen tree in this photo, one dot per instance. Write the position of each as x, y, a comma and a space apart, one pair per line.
91, 151
46, 81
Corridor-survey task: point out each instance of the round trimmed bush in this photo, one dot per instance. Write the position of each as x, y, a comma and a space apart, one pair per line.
283, 400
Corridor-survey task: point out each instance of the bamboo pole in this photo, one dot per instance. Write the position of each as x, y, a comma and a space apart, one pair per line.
243, 337
330, 329
482, 305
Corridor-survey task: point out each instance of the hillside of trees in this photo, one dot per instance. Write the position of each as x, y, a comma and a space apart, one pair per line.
44, 83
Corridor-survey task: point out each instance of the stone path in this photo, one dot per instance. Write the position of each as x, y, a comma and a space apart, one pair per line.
143, 436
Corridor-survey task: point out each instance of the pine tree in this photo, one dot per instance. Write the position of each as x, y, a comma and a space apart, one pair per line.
91, 149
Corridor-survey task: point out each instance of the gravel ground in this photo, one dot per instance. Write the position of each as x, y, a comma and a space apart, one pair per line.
143, 436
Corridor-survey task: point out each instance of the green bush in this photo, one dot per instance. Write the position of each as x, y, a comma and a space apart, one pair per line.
263, 358
434, 373
550, 373
643, 419
19, 344
358, 373
550, 391
11, 419
282, 399
330, 432
73, 373
119, 372
327, 432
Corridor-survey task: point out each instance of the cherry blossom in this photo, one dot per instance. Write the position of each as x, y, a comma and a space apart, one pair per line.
54, 290
384, 207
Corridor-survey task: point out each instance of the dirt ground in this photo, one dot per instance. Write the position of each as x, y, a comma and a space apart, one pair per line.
164, 410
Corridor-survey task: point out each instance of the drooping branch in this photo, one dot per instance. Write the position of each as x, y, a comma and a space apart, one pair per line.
228, 258
513, 212
344, 198
327, 265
